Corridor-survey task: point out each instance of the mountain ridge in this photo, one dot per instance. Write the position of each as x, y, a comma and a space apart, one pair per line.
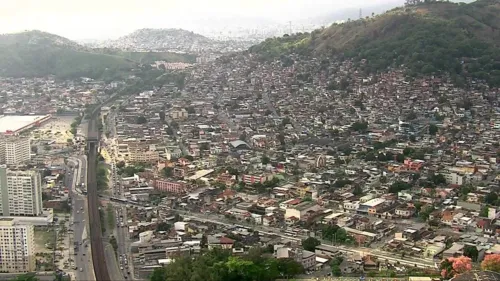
436, 37
174, 40
159, 39
36, 53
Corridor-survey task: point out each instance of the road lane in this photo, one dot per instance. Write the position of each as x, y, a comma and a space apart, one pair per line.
81, 249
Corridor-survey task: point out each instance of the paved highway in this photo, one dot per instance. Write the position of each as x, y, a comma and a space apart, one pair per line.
82, 254
123, 242
121, 230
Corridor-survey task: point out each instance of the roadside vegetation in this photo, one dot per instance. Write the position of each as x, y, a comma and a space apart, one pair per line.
218, 265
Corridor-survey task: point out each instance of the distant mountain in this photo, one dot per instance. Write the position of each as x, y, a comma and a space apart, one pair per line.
171, 40
36, 38
36, 53
429, 38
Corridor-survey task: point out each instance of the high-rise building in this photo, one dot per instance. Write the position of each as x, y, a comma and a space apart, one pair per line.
14, 150
17, 242
20, 192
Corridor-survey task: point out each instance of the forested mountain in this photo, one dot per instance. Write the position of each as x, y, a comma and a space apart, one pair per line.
426, 38
36, 53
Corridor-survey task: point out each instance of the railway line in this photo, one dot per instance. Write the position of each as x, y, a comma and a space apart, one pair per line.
97, 247
98, 257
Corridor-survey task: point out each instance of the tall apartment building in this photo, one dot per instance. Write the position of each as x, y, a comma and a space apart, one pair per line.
20, 192
17, 242
14, 150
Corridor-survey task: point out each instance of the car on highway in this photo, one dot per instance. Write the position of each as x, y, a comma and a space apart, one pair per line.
81, 269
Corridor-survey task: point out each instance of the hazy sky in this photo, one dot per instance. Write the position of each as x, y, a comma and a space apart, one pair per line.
101, 19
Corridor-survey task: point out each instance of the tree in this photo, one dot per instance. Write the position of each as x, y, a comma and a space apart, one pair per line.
400, 158
120, 164
407, 151
471, 252
462, 264
381, 157
26, 277
113, 243
336, 271
399, 186
163, 226
205, 146
357, 191
370, 156
265, 160
438, 179
310, 244
141, 120
491, 262
389, 156
425, 213
491, 198
453, 266
433, 129
484, 212
359, 126
289, 267
168, 172
343, 84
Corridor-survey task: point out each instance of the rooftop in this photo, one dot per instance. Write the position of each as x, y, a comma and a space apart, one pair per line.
374, 202
16, 123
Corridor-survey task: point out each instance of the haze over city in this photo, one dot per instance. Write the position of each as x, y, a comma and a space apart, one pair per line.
95, 19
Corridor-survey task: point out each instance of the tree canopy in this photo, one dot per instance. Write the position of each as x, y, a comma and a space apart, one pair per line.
435, 38
219, 265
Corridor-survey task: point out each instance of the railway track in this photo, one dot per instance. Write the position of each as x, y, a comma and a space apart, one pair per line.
98, 257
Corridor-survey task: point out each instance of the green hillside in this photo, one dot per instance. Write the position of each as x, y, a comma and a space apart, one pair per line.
436, 37
35, 53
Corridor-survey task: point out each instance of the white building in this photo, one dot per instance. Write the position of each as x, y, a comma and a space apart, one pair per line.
454, 178
14, 150
20, 192
17, 242
298, 211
